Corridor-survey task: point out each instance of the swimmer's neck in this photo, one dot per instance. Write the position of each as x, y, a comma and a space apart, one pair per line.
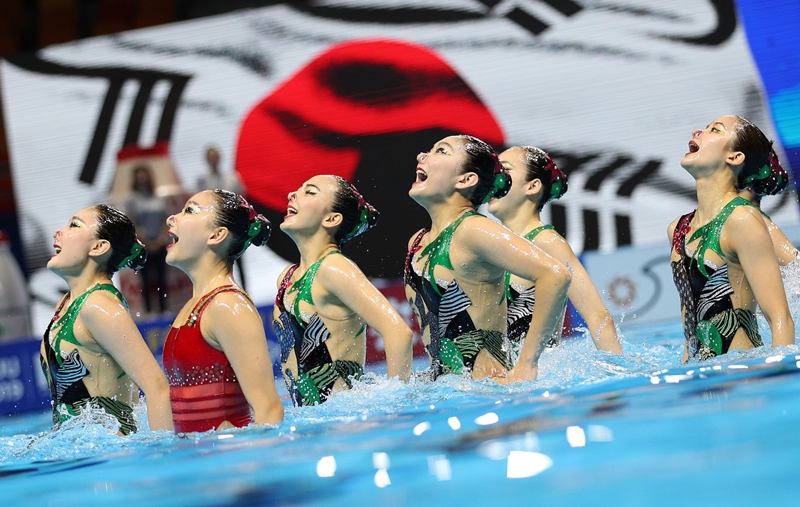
522, 219
84, 281
713, 193
207, 273
445, 214
312, 248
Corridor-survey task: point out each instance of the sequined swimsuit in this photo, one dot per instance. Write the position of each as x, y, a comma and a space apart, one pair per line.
65, 372
306, 336
203, 388
455, 342
521, 301
710, 320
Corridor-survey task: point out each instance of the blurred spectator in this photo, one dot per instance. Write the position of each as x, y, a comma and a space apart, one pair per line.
149, 214
215, 179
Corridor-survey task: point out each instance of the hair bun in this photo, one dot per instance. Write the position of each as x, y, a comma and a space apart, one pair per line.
138, 262
136, 258
501, 184
775, 179
263, 235
373, 216
558, 181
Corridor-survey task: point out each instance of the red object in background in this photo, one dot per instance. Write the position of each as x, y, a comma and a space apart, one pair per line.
363, 88
361, 110
396, 294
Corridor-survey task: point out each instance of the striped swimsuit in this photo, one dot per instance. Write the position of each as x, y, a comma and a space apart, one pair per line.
710, 320
65, 372
306, 336
441, 310
521, 302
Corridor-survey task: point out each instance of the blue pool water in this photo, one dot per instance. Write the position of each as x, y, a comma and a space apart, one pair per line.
595, 429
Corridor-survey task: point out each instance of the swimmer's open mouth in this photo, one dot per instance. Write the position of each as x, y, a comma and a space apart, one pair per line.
57, 248
174, 238
693, 147
421, 175
290, 211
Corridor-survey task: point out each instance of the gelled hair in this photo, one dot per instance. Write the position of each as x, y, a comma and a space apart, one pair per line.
481, 159
541, 166
245, 226
358, 216
762, 171
116, 228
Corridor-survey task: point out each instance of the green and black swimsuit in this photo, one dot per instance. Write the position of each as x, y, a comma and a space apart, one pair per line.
710, 320
306, 336
441, 308
65, 372
520, 301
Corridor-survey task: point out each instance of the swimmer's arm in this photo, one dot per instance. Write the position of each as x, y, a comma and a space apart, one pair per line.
341, 277
111, 326
785, 251
233, 323
746, 235
583, 293
497, 245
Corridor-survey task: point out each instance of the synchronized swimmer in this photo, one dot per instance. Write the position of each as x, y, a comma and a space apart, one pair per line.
471, 281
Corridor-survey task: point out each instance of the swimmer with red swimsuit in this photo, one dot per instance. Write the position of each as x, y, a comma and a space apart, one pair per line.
216, 356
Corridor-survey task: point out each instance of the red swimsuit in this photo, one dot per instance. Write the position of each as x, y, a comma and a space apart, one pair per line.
203, 388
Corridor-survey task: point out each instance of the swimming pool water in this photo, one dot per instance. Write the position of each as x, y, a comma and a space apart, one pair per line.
594, 429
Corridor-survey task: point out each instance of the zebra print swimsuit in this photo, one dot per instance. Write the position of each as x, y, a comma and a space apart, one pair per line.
441, 310
65, 372
306, 336
521, 302
710, 319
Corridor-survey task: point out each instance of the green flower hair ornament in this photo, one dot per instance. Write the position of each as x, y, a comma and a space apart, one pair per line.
762, 173
136, 249
363, 222
363, 218
555, 188
499, 183
557, 178
252, 232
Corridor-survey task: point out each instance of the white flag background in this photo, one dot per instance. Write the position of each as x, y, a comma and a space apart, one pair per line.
612, 89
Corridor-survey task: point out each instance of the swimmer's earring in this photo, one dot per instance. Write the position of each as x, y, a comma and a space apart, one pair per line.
136, 249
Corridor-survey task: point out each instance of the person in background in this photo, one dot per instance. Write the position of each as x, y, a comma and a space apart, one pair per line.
216, 355
149, 212
92, 353
536, 180
216, 179
325, 302
455, 269
723, 260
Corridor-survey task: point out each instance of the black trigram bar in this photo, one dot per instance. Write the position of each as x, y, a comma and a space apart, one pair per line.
530, 22
116, 76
